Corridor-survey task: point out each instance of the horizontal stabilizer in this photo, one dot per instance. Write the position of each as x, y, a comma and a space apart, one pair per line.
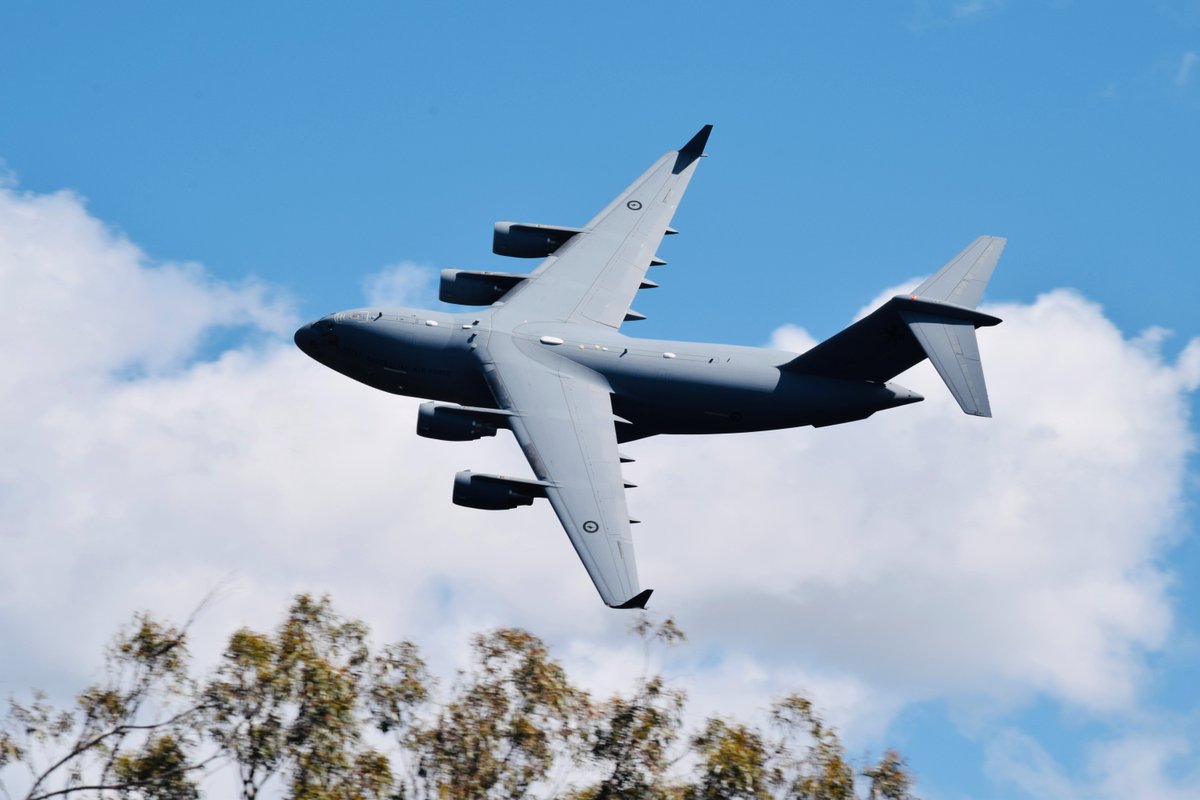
952, 348
936, 321
881, 345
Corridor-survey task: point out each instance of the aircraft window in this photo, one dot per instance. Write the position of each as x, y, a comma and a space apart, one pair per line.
432, 323
668, 355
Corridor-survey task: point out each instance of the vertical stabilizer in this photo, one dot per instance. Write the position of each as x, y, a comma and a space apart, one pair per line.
951, 344
936, 321
961, 282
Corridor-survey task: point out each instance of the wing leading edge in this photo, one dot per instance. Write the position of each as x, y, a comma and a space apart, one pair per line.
561, 412
595, 275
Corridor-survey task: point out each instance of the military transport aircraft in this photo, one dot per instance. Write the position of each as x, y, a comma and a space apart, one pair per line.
545, 358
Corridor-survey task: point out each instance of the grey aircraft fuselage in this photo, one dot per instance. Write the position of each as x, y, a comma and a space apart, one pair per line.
658, 386
543, 357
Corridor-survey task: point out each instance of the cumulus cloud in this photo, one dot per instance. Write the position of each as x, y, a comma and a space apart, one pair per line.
936, 554
1132, 767
918, 555
400, 285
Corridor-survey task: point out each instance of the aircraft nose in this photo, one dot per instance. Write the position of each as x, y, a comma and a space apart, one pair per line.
306, 336
315, 334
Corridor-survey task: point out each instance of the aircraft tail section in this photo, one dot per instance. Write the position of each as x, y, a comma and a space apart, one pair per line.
949, 342
937, 321
961, 282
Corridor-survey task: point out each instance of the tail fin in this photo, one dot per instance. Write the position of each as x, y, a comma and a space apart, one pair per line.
961, 282
937, 321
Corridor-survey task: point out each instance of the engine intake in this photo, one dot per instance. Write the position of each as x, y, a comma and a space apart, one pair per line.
457, 423
469, 288
528, 239
494, 492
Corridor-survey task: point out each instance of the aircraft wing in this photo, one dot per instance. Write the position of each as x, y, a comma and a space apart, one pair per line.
594, 276
563, 420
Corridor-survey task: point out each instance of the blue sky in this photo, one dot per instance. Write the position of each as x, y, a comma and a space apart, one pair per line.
306, 146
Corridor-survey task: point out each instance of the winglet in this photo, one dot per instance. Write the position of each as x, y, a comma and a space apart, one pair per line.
695, 145
639, 599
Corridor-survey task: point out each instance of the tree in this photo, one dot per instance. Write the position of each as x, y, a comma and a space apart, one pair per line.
512, 714
309, 709
632, 736
890, 778
733, 763
818, 772
800, 758
133, 734
296, 702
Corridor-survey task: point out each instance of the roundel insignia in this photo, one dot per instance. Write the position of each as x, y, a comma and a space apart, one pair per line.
590, 526
634, 205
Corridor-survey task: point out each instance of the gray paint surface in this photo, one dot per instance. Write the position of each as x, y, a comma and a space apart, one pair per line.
549, 356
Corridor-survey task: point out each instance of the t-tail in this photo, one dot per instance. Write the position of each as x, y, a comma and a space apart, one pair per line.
936, 321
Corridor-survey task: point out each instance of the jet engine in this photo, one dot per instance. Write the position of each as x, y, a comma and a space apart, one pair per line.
494, 492
469, 288
451, 423
528, 239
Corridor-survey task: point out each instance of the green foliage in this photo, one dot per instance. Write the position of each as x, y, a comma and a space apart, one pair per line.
500, 732
399, 685
298, 702
158, 772
890, 780
129, 735
733, 763
821, 772
310, 707
631, 736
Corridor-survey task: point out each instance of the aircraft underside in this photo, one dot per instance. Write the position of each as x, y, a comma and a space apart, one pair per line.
544, 358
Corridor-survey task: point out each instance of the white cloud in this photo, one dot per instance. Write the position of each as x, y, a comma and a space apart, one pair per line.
937, 554
1132, 767
971, 9
400, 284
920, 554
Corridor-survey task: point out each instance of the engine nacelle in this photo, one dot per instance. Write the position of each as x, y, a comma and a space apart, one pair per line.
528, 239
451, 423
470, 288
494, 492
